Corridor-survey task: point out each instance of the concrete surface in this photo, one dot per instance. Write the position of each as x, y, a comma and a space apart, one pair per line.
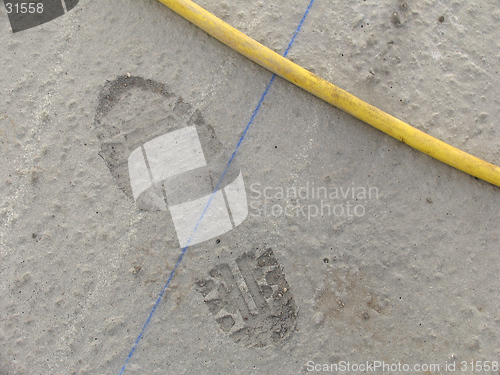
411, 277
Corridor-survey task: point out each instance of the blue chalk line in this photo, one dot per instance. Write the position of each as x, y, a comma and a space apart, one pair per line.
183, 252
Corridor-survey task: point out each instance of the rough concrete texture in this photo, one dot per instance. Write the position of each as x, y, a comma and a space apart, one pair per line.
412, 276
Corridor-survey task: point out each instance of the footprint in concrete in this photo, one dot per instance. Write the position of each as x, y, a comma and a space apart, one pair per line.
164, 156
251, 300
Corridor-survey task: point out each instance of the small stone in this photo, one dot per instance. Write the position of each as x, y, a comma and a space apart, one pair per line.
319, 318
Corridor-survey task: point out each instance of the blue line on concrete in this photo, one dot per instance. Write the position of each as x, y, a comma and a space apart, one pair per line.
179, 260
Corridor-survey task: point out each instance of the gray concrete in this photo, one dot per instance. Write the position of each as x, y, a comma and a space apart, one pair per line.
412, 277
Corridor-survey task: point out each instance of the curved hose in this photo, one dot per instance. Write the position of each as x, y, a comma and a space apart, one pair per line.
333, 94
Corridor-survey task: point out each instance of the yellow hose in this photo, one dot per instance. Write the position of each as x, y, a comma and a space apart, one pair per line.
333, 94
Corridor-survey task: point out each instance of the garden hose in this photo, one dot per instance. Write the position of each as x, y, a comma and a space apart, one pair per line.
332, 94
